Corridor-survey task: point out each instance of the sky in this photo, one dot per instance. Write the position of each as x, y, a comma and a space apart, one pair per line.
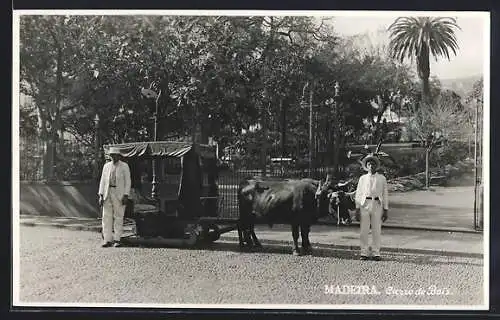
470, 59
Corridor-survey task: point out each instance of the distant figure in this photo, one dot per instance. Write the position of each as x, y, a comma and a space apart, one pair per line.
114, 189
372, 204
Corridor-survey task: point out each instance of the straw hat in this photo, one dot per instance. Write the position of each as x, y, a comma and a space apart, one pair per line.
370, 157
114, 150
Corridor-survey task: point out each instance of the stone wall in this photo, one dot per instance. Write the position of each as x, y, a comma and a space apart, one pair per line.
70, 199
73, 199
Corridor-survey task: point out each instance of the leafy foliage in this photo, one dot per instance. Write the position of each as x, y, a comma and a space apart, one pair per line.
218, 77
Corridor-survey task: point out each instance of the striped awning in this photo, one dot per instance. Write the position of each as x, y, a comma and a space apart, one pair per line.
161, 148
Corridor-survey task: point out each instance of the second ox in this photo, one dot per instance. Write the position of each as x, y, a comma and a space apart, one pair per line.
339, 198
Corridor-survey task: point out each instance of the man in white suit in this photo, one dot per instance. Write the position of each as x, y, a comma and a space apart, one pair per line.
114, 190
372, 204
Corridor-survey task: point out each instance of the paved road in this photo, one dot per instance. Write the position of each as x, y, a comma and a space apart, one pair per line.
452, 206
60, 265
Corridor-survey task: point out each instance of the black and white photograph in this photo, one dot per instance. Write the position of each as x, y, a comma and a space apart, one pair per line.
244, 159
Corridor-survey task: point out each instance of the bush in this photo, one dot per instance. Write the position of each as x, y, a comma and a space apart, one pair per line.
450, 153
75, 166
409, 164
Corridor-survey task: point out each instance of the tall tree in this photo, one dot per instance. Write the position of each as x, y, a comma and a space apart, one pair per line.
47, 50
434, 124
419, 38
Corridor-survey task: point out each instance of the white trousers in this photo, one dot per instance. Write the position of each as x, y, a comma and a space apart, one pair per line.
371, 214
112, 217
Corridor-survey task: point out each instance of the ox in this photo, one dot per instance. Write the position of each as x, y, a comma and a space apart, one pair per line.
340, 201
294, 202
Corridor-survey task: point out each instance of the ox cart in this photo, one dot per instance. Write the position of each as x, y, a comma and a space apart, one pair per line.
174, 194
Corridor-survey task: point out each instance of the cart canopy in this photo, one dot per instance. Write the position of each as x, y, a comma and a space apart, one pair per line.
162, 149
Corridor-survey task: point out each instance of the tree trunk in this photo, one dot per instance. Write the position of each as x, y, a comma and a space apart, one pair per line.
48, 135
204, 133
97, 150
194, 126
330, 144
427, 151
426, 93
337, 141
283, 128
56, 120
204, 126
263, 154
58, 138
336, 153
469, 144
423, 69
44, 137
339, 145
311, 165
49, 157
46, 159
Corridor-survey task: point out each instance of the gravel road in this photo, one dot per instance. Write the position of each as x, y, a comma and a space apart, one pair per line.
60, 265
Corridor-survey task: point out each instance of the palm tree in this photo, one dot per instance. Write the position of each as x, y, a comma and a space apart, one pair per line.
417, 38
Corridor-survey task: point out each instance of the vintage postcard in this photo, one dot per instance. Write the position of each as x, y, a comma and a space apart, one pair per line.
251, 159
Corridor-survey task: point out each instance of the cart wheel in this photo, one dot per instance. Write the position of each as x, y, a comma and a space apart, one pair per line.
211, 235
194, 236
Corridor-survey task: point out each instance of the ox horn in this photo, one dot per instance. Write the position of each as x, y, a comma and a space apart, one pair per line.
318, 191
351, 194
259, 187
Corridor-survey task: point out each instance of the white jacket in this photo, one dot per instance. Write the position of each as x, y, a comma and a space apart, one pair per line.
123, 180
380, 190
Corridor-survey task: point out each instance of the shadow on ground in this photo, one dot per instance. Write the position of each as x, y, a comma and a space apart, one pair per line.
330, 251
414, 206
